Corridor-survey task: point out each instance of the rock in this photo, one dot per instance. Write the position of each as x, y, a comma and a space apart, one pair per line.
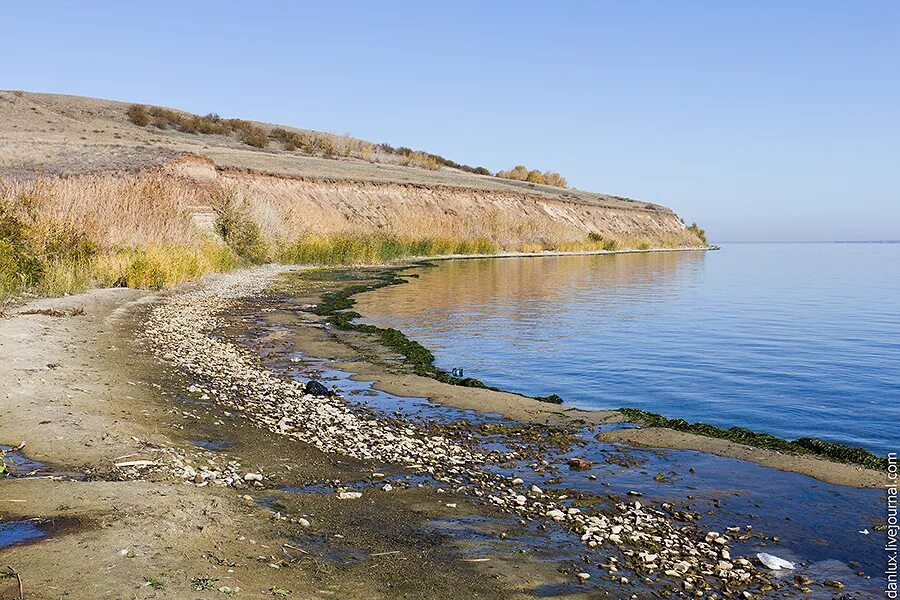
387, 487
580, 464
517, 481
583, 577
832, 583
314, 388
349, 495
253, 477
556, 514
303, 522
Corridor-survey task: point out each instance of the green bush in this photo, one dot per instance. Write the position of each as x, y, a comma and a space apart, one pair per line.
239, 231
699, 232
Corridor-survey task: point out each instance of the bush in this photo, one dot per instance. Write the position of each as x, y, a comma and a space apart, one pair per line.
535, 177
521, 173
555, 179
137, 114
699, 232
238, 230
255, 136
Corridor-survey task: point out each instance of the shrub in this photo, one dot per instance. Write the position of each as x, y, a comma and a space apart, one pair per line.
236, 228
535, 177
521, 173
699, 232
255, 136
555, 179
280, 134
137, 114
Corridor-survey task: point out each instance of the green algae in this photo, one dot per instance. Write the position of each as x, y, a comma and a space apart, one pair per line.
742, 435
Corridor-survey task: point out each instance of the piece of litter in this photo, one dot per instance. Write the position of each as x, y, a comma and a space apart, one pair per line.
773, 562
864, 532
136, 463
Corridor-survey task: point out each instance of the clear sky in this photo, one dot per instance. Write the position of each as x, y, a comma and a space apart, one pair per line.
760, 120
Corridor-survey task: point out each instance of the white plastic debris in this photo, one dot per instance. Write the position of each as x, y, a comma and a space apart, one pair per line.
773, 562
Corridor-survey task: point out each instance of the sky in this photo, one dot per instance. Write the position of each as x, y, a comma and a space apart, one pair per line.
761, 120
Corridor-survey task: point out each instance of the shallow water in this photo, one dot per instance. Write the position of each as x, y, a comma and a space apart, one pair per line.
790, 339
817, 525
17, 532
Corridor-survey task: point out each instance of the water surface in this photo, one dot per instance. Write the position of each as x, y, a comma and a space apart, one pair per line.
791, 339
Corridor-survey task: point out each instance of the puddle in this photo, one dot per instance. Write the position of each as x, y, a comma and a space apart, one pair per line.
18, 532
552, 590
330, 550
19, 465
213, 445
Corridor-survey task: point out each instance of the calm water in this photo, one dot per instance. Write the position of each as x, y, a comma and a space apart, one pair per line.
791, 339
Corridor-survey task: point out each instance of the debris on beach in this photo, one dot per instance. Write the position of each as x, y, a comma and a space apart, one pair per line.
773, 562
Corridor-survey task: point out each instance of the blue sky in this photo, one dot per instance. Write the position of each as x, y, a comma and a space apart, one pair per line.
760, 120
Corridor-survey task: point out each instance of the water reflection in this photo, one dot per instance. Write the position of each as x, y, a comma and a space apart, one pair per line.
795, 340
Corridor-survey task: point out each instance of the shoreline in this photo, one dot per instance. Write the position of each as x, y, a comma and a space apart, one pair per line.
518, 406
91, 392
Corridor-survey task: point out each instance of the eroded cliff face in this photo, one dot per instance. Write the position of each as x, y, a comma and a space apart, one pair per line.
288, 207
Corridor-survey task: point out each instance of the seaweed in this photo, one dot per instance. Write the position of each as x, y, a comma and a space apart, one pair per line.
742, 435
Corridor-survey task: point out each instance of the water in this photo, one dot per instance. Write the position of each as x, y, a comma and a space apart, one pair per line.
819, 525
791, 339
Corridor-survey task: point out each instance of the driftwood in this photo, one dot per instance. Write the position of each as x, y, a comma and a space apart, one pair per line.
136, 463
13, 573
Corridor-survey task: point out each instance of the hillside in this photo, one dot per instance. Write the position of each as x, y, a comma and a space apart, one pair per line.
88, 171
